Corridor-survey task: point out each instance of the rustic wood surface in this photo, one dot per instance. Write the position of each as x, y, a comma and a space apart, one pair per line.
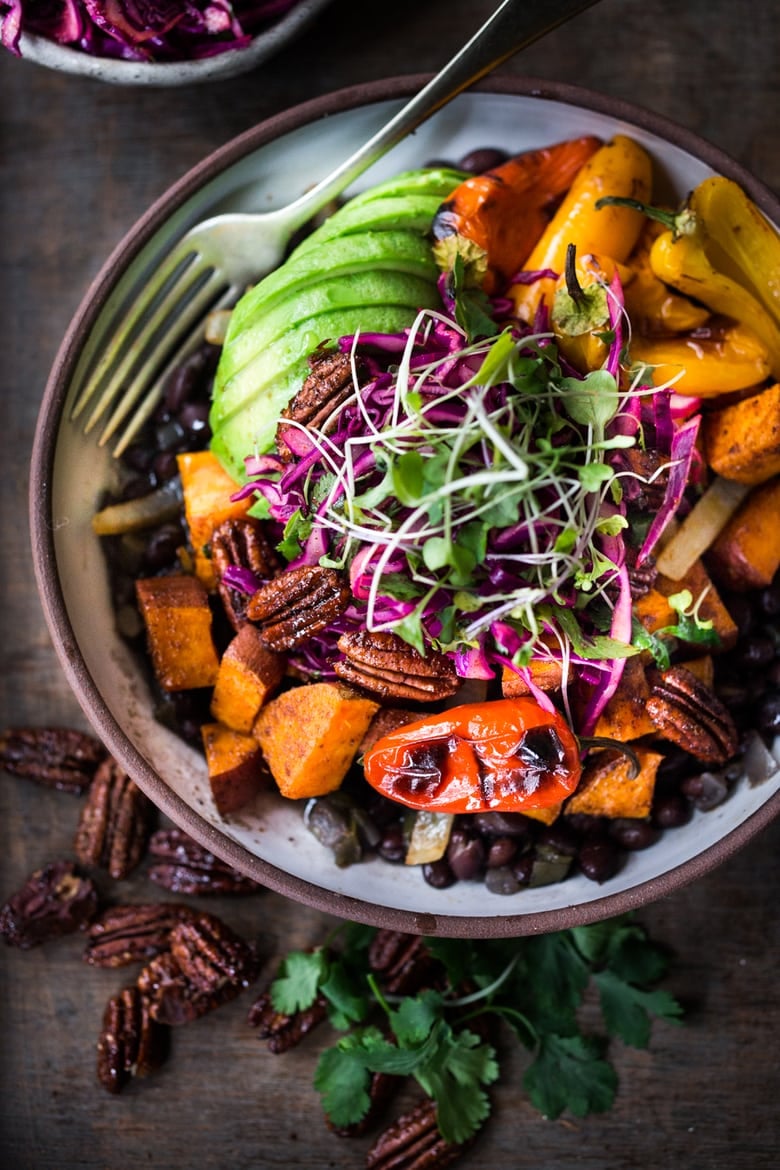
79, 161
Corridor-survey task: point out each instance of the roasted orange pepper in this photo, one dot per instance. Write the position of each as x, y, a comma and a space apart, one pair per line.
619, 168
507, 755
714, 361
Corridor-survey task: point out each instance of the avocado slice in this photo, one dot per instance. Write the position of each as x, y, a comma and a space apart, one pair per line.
438, 181
401, 251
245, 423
268, 323
409, 213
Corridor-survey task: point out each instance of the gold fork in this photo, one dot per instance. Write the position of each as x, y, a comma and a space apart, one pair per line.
212, 264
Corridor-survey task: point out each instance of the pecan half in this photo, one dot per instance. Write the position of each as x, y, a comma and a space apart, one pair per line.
55, 900
413, 1142
241, 543
284, 1032
115, 822
57, 757
316, 404
403, 961
185, 867
689, 714
384, 664
127, 933
131, 1043
207, 965
297, 604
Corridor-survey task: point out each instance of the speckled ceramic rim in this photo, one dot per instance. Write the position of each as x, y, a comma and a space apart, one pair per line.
52, 598
117, 71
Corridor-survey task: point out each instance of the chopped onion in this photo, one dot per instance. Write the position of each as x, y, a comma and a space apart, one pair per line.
700, 527
144, 512
760, 764
430, 837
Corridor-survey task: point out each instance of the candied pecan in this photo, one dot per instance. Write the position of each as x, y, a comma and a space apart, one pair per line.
403, 961
241, 543
126, 933
55, 900
381, 662
207, 965
131, 1043
413, 1142
297, 604
185, 867
689, 714
284, 1032
115, 822
316, 404
57, 757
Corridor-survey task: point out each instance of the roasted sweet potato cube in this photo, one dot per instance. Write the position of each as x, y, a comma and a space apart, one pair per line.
711, 609
310, 736
624, 718
248, 675
746, 554
207, 489
236, 768
653, 610
742, 440
607, 789
546, 674
177, 616
545, 816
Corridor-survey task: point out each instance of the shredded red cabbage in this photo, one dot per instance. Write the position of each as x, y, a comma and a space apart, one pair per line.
141, 30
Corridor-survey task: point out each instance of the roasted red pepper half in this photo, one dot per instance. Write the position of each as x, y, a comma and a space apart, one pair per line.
506, 755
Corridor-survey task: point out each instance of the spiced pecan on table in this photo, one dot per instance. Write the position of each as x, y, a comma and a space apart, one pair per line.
689, 714
127, 933
185, 867
317, 403
207, 965
413, 1142
282, 1031
297, 604
131, 1043
115, 822
55, 900
382, 663
241, 544
403, 962
57, 757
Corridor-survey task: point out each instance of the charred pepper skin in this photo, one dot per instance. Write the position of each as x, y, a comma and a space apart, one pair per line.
506, 755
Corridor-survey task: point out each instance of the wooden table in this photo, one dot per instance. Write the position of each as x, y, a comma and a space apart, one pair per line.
79, 162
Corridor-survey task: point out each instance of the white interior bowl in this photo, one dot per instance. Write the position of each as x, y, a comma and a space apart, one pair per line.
117, 71
263, 168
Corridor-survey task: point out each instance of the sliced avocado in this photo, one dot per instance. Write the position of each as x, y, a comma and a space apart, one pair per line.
410, 213
246, 422
330, 294
438, 181
402, 251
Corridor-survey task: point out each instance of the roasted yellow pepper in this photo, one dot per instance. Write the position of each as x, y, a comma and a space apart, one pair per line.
620, 167
580, 308
718, 361
655, 309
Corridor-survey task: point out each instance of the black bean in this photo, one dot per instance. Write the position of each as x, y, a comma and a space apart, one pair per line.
194, 418
170, 436
756, 651
438, 874
138, 457
392, 845
502, 881
498, 824
633, 834
560, 837
481, 160
162, 547
741, 611
670, 811
523, 867
501, 850
768, 718
165, 466
136, 487
769, 599
465, 855
599, 860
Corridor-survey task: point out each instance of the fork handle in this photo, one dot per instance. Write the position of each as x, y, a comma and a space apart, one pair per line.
514, 25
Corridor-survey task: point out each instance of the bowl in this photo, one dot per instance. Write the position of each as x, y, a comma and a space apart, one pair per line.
116, 71
267, 840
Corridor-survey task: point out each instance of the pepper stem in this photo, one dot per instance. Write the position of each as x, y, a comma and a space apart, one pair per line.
680, 223
591, 741
573, 286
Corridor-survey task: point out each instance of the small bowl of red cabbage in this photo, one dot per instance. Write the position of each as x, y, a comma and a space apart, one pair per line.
152, 42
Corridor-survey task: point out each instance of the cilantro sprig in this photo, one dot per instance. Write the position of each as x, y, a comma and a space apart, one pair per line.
535, 985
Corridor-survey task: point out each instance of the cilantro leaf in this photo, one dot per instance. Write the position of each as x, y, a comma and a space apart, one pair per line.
558, 979
414, 1019
569, 1073
452, 1076
627, 1008
343, 1079
298, 982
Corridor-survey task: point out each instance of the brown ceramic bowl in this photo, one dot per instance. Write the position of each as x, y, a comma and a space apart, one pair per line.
264, 167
